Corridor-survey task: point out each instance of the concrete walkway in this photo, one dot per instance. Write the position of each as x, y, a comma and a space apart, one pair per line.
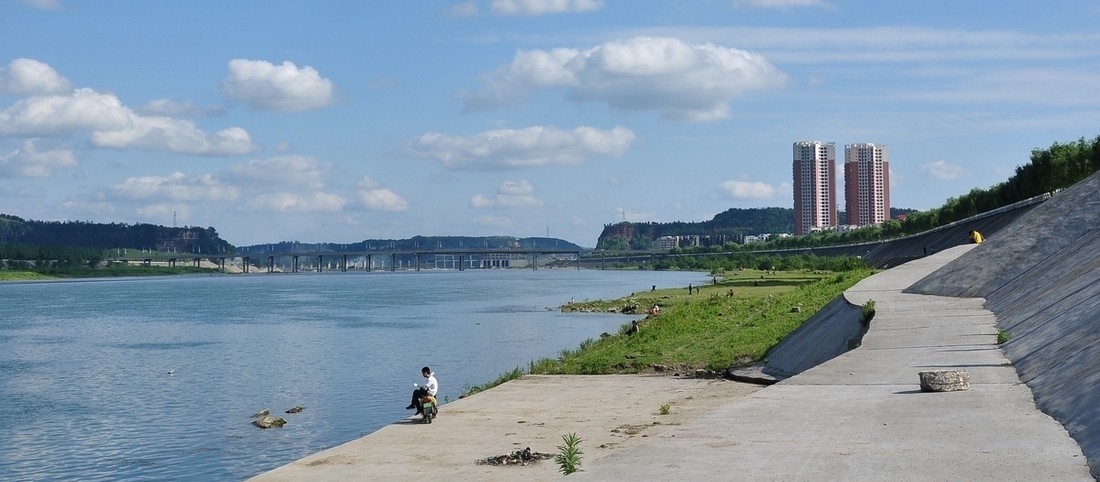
861, 416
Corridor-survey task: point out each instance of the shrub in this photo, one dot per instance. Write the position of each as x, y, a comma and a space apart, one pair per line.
569, 454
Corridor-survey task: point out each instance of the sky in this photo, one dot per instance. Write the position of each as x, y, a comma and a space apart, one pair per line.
330, 121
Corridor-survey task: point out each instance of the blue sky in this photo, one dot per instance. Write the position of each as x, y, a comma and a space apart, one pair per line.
343, 121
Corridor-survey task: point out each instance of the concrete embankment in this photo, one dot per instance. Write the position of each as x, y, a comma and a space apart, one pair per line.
1041, 276
862, 415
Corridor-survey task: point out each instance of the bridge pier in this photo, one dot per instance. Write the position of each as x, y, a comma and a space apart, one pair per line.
370, 261
294, 264
320, 263
393, 262
345, 268
246, 260
270, 264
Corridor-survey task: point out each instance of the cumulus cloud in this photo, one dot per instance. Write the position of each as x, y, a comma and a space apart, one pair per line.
173, 108
265, 86
781, 3
25, 77
375, 197
747, 189
543, 7
293, 170
163, 133
942, 171
177, 187
29, 161
682, 81
284, 202
509, 194
116, 126
518, 148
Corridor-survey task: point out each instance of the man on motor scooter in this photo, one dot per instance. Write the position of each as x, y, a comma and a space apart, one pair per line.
430, 388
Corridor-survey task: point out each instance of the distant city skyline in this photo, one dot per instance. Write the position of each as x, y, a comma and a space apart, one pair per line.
344, 121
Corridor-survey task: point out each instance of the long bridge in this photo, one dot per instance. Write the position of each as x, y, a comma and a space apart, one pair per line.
460, 259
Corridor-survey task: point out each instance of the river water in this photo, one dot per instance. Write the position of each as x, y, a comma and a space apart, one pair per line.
157, 378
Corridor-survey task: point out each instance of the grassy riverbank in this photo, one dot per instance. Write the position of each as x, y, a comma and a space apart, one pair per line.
113, 270
710, 329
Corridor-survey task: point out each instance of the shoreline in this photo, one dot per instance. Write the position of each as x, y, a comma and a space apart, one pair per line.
610, 413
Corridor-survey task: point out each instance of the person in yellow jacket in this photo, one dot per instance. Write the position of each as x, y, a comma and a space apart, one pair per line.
976, 237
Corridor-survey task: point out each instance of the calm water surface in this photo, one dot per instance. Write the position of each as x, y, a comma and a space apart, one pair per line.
156, 379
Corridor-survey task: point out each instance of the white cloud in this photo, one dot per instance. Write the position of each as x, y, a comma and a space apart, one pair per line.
781, 3
26, 77
173, 108
175, 187
680, 80
116, 126
43, 4
164, 133
297, 203
942, 171
518, 148
29, 161
493, 221
509, 194
375, 197
464, 9
747, 189
894, 44
293, 170
265, 86
543, 7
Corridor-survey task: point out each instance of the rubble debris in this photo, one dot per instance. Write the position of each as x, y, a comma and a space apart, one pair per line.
519, 457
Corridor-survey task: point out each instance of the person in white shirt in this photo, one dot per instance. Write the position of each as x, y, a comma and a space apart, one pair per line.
431, 387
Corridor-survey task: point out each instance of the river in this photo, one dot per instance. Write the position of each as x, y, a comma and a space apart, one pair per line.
157, 378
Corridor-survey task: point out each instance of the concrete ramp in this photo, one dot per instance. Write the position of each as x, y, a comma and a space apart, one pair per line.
1041, 276
833, 330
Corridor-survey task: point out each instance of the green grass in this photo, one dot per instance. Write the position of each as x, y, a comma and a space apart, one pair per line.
1003, 336
707, 329
112, 270
6, 275
504, 377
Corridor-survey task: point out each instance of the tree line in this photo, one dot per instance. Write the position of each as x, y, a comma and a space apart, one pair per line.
1057, 167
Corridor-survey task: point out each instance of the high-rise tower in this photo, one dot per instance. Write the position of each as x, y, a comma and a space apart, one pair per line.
866, 184
814, 186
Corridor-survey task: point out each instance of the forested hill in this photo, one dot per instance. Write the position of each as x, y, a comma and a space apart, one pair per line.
731, 224
726, 226
421, 243
80, 234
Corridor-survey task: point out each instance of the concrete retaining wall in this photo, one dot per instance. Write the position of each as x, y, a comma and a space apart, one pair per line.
1041, 277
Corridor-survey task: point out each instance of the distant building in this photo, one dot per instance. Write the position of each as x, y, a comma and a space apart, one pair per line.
666, 243
866, 184
815, 205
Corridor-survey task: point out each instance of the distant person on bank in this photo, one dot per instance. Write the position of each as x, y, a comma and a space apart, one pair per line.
429, 389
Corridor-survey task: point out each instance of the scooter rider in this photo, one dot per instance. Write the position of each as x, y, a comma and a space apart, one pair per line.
430, 388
